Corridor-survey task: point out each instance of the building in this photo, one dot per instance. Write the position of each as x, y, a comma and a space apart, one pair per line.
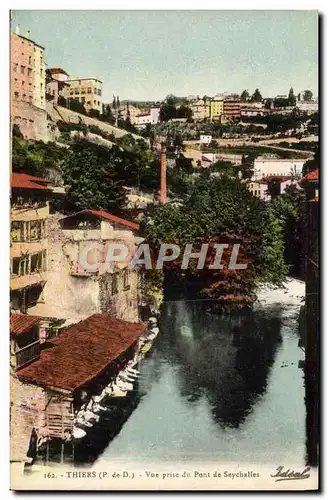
251, 112
216, 109
27, 87
264, 167
75, 291
86, 90
128, 111
82, 361
308, 107
150, 117
28, 254
231, 109
200, 109
205, 139
56, 82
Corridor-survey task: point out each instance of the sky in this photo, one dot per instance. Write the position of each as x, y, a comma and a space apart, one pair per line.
146, 55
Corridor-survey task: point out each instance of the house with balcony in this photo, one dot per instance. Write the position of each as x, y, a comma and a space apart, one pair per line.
30, 198
24, 339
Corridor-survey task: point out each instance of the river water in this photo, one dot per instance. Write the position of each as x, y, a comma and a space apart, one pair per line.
217, 388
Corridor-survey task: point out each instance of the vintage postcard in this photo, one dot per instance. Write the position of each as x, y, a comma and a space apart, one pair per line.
164, 250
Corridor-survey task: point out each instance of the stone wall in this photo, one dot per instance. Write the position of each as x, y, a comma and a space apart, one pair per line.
32, 121
26, 411
73, 295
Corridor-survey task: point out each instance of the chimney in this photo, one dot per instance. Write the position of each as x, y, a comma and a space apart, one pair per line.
163, 173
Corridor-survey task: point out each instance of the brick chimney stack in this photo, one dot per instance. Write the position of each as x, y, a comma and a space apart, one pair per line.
163, 173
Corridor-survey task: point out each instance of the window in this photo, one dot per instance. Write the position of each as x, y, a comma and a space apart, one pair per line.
89, 90
29, 59
24, 97
83, 100
99, 92
83, 91
23, 83
71, 92
15, 67
77, 91
114, 284
22, 68
41, 72
35, 230
94, 102
17, 231
126, 285
15, 266
98, 103
16, 94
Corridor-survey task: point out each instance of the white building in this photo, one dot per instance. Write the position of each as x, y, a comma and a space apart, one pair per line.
152, 117
264, 167
205, 139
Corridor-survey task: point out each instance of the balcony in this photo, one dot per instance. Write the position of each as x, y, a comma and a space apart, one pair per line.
27, 354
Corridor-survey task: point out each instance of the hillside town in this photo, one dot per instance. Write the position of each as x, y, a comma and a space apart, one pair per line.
87, 171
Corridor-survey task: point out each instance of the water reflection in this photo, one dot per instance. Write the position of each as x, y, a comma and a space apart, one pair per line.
226, 358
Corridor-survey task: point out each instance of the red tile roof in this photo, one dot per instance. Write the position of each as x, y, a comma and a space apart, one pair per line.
20, 323
26, 181
81, 352
107, 216
313, 175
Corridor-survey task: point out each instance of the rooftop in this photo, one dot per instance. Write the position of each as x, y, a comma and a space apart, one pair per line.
21, 323
26, 181
313, 175
104, 215
81, 352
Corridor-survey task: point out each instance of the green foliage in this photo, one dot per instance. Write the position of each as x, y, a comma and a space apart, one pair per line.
289, 211
216, 208
256, 97
313, 163
244, 95
291, 98
35, 157
91, 174
308, 95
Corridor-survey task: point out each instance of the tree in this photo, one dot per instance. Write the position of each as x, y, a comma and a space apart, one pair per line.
118, 104
114, 104
220, 210
268, 104
289, 209
77, 106
312, 164
256, 97
308, 95
91, 174
291, 98
244, 95
107, 115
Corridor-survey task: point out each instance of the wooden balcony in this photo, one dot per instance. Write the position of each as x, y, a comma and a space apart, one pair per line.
27, 354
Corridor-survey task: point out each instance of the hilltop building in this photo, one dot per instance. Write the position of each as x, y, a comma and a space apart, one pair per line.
86, 90
27, 86
216, 109
151, 117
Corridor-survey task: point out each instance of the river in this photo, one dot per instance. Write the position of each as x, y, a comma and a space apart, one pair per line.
218, 388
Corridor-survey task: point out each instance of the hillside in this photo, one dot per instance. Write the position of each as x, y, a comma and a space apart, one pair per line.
59, 113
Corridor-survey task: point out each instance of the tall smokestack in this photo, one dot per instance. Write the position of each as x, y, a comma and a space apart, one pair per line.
163, 173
